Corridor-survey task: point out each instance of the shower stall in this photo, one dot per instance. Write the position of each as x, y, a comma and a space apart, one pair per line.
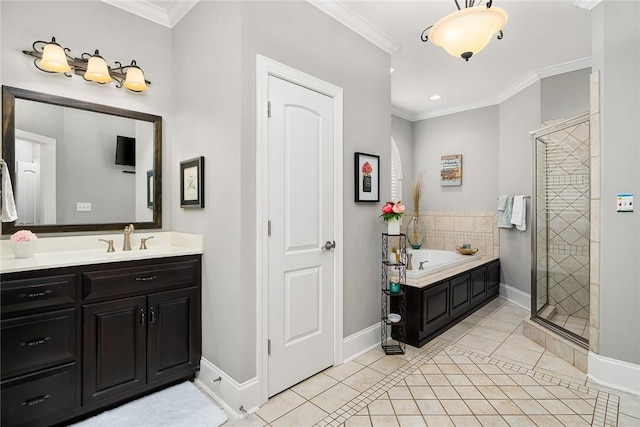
561, 228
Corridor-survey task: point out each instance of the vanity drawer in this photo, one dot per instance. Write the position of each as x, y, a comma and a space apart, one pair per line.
37, 341
119, 281
39, 399
36, 292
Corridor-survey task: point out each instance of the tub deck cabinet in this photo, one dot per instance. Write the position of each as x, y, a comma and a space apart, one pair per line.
437, 307
76, 340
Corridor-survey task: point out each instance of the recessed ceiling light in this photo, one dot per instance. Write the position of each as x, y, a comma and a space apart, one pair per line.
391, 70
435, 97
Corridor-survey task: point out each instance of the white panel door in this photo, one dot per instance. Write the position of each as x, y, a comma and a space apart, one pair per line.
301, 211
28, 186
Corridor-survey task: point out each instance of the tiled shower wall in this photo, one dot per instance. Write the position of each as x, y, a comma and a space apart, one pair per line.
446, 230
566, 199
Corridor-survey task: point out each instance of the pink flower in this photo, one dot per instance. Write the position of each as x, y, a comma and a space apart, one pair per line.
387, 208
398, 208
23, 236
367, 168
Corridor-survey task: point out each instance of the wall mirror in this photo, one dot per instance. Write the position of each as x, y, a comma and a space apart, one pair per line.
79, 166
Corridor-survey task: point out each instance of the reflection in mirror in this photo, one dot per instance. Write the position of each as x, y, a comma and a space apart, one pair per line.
77, 166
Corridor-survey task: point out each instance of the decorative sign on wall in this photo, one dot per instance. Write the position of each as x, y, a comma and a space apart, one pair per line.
451, 170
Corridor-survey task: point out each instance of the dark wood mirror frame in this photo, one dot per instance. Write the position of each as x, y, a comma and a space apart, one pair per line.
9, 95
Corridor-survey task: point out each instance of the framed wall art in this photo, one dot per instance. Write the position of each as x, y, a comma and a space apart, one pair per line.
367, 177
192, 183
451, 170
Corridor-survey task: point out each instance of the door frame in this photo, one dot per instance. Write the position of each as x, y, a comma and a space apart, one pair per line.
266, 67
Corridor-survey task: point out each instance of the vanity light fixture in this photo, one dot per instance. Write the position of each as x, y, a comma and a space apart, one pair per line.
50, 57
467, 31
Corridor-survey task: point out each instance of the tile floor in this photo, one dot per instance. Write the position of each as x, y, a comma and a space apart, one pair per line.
481, 372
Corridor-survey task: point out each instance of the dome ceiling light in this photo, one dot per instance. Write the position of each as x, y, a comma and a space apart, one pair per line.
467, 31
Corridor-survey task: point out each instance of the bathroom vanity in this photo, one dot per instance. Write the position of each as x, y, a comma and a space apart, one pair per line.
439, 301
80, 338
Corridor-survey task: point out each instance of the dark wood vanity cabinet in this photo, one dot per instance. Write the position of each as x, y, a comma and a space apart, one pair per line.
78, 339
435, 308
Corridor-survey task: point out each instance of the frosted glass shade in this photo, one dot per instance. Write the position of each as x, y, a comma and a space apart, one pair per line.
466, 32
54, 58
97, 70
135, 79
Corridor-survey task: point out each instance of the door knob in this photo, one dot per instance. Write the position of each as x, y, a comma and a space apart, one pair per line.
329, 245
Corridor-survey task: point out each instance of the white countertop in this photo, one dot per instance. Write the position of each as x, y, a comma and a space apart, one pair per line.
54, 252
450, 272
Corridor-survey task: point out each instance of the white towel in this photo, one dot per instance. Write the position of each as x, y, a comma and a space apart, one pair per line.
9, 212
519, 213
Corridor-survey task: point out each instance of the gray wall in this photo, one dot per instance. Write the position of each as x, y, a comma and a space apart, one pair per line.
221, 126
402, 134
24, 22
564, 95
519, 115
474, 134
616, 55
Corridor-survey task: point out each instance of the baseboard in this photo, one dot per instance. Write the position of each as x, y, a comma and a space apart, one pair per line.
515, 296
237, 399
613, 373
361, 342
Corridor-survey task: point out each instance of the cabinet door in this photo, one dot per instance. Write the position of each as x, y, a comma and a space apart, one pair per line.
174, 341
460, 295
114, 348
435, 308
493, 277
478, 285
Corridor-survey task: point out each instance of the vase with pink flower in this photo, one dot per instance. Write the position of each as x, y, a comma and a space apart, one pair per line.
24, 243
367, 169
392, 214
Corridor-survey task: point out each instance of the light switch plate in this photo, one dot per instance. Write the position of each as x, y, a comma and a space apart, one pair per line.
83, 207
624, 203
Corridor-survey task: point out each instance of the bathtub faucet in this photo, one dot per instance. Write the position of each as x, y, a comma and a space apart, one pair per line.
422, 264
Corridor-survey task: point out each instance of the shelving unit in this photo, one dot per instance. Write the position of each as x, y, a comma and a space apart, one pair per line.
393, 302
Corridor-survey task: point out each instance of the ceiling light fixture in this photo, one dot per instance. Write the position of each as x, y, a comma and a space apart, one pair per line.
467, 31
50, 57
435, 97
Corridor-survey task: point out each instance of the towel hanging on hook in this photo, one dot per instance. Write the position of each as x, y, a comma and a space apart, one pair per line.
9, 212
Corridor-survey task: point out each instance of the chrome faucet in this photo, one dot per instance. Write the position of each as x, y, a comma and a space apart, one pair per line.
422, 265
128, 230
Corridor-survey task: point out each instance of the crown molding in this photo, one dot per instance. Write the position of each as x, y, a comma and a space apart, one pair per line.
402, 114
586, 4
147, 10
515, 88
347, 17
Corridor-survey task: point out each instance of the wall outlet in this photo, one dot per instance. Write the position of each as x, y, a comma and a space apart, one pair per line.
83, 207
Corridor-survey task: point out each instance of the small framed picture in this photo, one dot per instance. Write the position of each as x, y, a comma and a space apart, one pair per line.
451, 170
192, 183
150, 188
367, 177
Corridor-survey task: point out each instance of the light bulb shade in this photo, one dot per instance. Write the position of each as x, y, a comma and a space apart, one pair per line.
54, 58
135, 79
466, 32
97, 69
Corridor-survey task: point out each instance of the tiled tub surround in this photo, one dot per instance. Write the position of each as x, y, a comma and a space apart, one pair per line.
446, 230
481, 372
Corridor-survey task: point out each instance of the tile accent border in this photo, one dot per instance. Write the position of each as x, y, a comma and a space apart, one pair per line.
605, 410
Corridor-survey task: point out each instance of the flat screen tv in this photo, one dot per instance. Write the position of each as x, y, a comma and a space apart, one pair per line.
125, 151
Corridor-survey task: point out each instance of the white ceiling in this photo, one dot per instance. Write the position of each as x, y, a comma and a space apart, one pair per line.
541, 38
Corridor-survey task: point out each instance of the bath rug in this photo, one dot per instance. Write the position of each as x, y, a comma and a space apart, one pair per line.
182, 405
